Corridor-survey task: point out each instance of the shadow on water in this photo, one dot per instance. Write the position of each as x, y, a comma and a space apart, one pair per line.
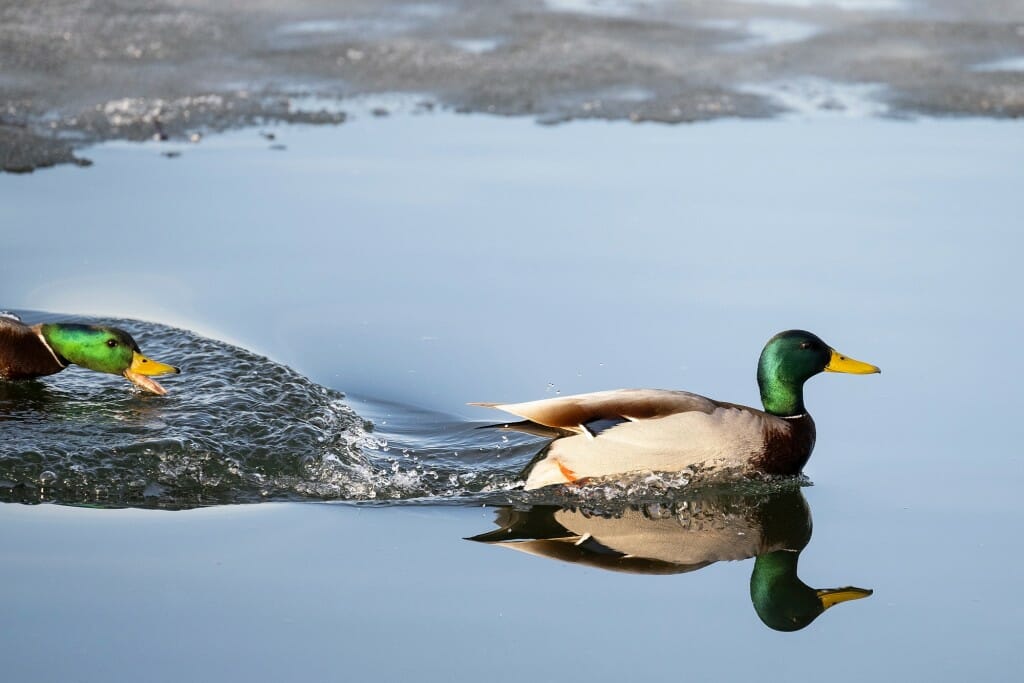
772, 526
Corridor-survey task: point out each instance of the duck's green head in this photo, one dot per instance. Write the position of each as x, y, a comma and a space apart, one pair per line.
791, 358
105, 349
783, 601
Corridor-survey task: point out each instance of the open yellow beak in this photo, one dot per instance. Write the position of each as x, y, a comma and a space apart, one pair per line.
840, 363
143, 368
834, 596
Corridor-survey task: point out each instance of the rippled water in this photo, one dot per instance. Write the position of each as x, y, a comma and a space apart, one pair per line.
237, 427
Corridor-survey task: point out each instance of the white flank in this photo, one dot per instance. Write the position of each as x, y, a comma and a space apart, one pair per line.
726, 437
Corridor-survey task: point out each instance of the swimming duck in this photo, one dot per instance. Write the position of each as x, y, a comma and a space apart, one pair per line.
609, 433
27, 352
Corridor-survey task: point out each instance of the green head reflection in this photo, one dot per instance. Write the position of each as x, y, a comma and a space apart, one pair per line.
783, 601
773, 527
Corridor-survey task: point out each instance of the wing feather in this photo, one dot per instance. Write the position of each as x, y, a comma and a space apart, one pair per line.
572, 412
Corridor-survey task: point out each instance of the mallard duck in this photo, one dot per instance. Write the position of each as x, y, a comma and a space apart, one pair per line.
27, 352
612, 433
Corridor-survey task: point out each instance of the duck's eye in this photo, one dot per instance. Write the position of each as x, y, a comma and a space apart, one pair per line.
805, 345
111, 343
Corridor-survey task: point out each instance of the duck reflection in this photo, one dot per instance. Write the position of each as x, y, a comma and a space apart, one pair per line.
686, 536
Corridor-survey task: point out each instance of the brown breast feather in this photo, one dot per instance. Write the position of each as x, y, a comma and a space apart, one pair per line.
23, 355
787, 448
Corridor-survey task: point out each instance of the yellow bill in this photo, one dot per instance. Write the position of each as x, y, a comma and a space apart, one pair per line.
143, 368
841, 363
834, 596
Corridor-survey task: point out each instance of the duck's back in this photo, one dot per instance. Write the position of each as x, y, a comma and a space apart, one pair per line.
23, 355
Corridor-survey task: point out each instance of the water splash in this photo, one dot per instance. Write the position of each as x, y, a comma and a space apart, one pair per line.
236, 427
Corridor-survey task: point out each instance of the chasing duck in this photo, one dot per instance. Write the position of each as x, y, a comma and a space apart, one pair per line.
610, 433
27, 352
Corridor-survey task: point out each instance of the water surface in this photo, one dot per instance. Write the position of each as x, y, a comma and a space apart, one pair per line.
416, 263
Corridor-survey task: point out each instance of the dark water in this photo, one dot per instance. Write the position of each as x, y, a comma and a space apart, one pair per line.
417, 263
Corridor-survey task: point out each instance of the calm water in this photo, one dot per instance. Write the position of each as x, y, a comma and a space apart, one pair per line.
418, 262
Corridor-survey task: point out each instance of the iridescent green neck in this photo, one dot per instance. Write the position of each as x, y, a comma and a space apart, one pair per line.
62, 339
780, 396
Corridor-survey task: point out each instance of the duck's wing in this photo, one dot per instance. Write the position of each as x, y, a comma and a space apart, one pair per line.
595, 411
